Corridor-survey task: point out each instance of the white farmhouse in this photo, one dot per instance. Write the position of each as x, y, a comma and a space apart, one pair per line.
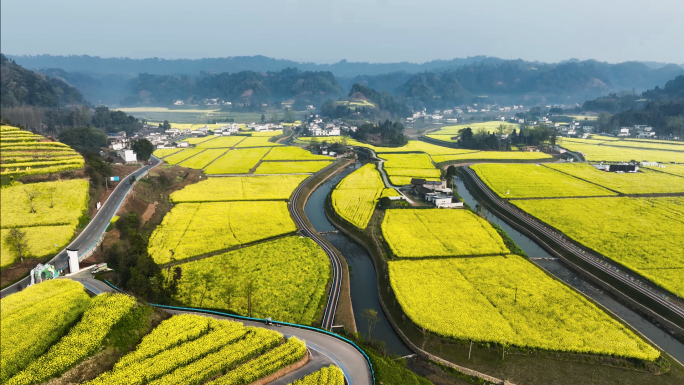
128, 156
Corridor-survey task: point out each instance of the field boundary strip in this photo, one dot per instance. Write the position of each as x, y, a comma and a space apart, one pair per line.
240, 317
215, 159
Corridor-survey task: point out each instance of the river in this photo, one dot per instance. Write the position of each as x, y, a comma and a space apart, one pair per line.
363, 284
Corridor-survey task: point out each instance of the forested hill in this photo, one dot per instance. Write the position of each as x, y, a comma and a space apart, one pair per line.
536, 82
22, 87
662, 108
288, 83
156, 66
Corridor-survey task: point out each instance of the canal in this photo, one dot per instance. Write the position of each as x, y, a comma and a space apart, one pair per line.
363, 279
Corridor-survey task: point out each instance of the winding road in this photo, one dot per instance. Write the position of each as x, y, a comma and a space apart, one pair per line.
333, 298
600, 263
89, 237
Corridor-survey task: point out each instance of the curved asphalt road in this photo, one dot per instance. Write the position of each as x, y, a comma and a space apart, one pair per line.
599, 263
325, 349
87, 239
331, 306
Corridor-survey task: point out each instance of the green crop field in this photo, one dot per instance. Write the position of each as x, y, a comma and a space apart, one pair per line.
355, 197
507, 300
439, 233
22, 153
534, 181
223, 189
222, 142
642, 182
290, 276
599, 153
57, 208
641, 234
203, 159
290, 167
237, 161
293, 153
183, 155
51, 308
192, 229
492, 155
451, 138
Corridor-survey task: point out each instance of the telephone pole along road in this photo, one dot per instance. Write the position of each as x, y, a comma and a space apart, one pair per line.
89, 237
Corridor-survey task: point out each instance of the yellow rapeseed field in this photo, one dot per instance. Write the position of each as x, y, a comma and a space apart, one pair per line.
439, 233
192, 229
507, 300
291, 167
237, 161
534, 181
641, 234
50, 308
355, 197
236, 188
643, 182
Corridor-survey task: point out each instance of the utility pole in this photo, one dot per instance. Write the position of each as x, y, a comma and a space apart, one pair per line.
503, 350
471, 349
516, 294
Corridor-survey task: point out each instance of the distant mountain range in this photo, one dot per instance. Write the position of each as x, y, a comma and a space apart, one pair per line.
434, 84
22, 87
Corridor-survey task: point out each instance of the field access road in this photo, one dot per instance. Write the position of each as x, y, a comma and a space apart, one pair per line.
614, 271
333, 298
88, 238
385, 178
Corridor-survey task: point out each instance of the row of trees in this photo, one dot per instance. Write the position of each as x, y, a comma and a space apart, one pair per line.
391, 133
506, 136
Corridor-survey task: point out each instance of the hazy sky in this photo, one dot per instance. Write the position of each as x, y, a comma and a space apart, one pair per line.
326, 31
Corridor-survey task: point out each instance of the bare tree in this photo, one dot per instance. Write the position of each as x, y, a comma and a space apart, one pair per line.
31, 194
250, 288
51, 190
17, 243
371, 317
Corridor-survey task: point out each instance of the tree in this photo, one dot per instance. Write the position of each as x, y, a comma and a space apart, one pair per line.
371, 317
143, 149
263, 118
207, 281
31, 194
51, 190
289, 116
166, 125
603, 121
16, 243
250, 288
676, 124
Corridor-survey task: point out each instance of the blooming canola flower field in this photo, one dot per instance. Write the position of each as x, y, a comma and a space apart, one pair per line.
630, 231
534, 181
268, 187
355, 197
507, 300
51, 308
439, 233
193, 229
23, 153
289, 274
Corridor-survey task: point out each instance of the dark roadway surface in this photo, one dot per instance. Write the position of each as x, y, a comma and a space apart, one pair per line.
89, 236
325, 350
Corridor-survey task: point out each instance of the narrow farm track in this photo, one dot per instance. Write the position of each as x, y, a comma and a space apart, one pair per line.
606, 267
89, 237
333, 298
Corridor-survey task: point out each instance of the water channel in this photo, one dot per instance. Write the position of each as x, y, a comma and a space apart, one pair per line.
363, 284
